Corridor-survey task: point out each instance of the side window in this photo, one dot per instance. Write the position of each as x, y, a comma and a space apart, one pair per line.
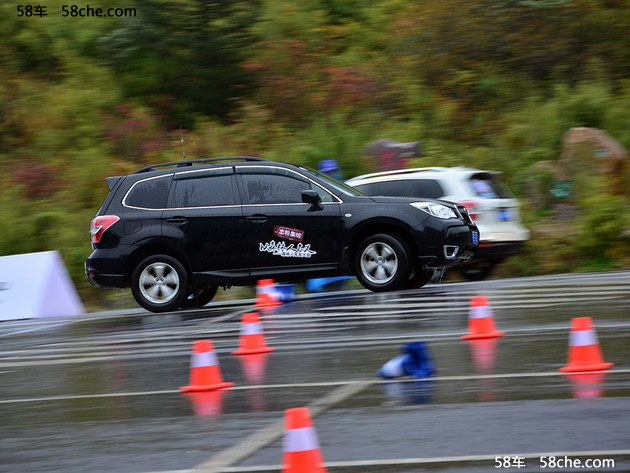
429, 188
149, 193
273, 188
404, 188
203, 191
325, 196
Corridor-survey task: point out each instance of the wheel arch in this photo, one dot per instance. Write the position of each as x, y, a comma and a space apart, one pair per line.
153, 249
374, 227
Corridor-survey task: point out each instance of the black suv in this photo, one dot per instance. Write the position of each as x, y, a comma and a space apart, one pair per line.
174, 232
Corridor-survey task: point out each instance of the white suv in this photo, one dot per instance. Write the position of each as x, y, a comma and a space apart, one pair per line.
491, 205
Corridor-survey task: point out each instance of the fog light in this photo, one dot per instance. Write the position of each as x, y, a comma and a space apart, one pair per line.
450, 251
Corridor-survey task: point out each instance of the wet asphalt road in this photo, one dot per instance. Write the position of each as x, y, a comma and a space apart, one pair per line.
99, 393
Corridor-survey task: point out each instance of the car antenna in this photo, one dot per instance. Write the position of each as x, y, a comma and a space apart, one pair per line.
181, 133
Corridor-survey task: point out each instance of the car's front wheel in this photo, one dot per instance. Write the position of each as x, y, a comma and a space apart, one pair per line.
159, 283
382, 262
198, 298
419, 278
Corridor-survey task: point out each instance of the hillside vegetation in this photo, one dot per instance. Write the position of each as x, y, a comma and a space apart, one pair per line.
485, 83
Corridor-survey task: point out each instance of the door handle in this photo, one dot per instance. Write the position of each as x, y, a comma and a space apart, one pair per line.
257, 218
177, 220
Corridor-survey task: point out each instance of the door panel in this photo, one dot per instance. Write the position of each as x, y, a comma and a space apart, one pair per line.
290, 236
205, 221
286, 235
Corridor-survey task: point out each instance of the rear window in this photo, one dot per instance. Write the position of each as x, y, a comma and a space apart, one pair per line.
149, 194
489, 187
428, 188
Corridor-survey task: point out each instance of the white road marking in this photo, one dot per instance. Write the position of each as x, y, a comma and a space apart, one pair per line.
364, 382
267, 435
516, 293
63, 354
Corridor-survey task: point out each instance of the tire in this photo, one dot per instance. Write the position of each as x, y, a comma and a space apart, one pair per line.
199, 298
419, 278
381, 263
159, 283
477, 271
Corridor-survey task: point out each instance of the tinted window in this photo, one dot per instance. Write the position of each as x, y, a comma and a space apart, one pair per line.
149, 194
489, 187
338, 186
273, 189
428, 188
325, 196
205, 191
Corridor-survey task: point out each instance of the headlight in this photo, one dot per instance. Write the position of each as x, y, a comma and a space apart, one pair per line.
435, 209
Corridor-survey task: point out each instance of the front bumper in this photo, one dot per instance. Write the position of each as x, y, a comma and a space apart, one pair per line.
443, 246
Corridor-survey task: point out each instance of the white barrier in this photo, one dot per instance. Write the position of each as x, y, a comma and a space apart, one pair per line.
36, 285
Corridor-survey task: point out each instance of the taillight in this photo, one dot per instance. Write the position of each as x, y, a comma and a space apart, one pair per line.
98, 225
472, 209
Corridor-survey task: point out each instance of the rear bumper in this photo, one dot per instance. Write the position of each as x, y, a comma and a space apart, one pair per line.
102, 272
98, 279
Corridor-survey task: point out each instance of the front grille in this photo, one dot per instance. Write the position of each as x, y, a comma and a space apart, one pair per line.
464, 213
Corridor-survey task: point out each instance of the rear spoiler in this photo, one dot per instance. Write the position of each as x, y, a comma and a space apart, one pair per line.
111, 181
485, 175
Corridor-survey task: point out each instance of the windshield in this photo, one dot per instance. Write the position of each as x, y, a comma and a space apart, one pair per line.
332, 182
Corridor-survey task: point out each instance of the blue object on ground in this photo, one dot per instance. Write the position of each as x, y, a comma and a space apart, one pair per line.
319, 284
285, 292
415, 361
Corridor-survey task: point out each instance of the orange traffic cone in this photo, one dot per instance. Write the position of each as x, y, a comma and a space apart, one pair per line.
481, 320
584, 351
301, 453
266, 294
205, 373
252, 339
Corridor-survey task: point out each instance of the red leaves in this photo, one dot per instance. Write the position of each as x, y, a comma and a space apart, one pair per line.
38, 180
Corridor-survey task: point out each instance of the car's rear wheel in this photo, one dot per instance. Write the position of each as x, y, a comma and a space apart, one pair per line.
382, 262
159, 283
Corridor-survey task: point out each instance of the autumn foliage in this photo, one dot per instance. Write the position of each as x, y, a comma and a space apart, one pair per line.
486, 83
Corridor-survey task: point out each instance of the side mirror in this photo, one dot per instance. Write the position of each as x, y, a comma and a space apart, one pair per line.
313, 198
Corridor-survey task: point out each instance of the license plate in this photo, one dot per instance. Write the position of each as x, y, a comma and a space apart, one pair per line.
504, 215
475, 238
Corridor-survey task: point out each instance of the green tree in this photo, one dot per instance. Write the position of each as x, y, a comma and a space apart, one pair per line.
183, 57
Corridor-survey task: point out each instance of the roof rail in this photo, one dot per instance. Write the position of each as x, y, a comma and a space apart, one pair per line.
400, 171
179, 164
